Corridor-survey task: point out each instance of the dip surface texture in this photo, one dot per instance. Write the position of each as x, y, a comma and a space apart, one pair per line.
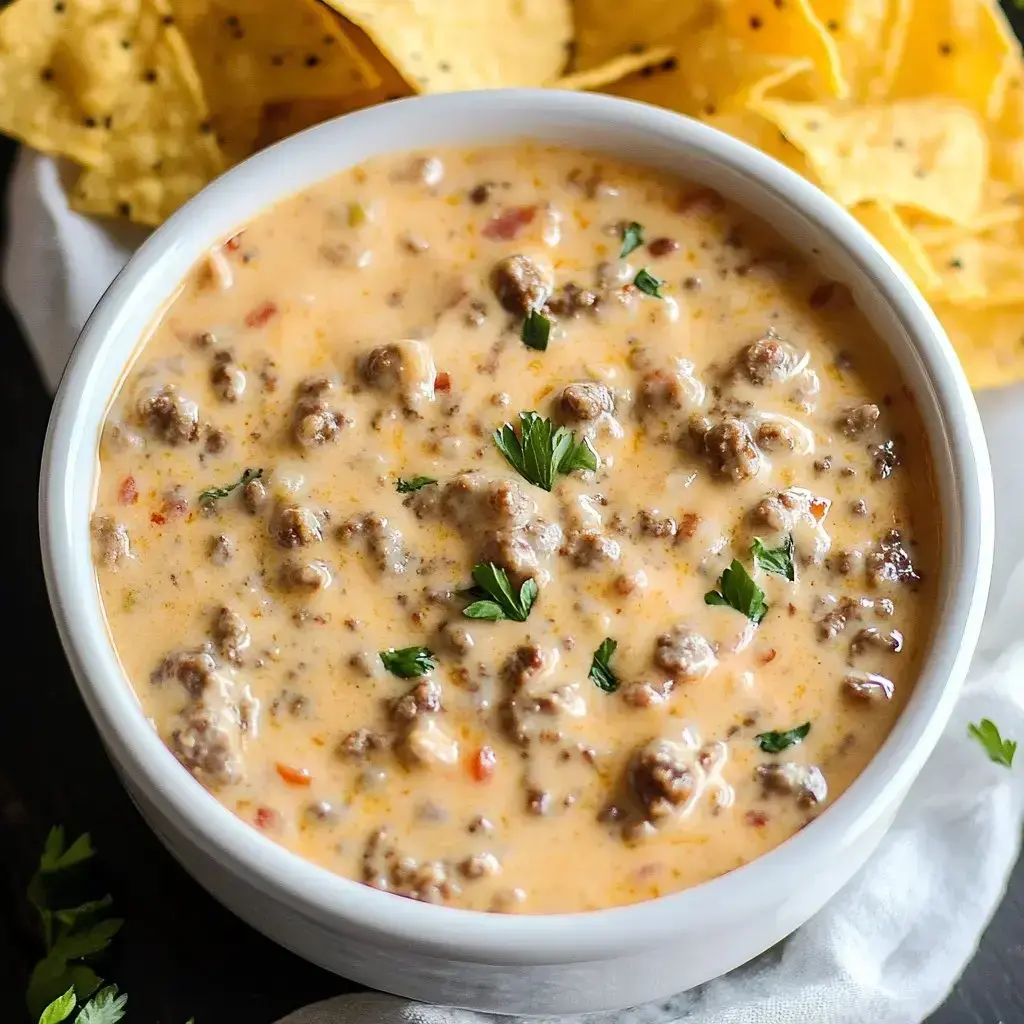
698, 644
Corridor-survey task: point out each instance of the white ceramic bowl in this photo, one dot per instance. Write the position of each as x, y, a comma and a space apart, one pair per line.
540, 964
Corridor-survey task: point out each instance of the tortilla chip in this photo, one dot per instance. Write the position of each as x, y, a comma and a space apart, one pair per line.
885, 223
961, 49
1001, 205
989, 342
448, 45
760, 133
980, 271
715, 76
1006, 135
160, 150
791, 29
862, 31
616, 68
605, 30
247, 59
929, 155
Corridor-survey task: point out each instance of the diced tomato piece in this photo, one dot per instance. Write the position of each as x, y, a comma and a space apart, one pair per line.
507, 224
483, 764
234, 243
443, 382
768, 656
294, 776
157, 519
756, 819
263, 313
819, 506
266, 817
127, 493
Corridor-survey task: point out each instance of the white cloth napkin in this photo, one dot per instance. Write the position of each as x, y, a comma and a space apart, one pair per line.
890, 945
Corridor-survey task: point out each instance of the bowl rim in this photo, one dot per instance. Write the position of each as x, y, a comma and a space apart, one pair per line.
351, 907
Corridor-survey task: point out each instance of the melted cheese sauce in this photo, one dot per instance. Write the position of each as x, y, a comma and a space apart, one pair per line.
749, 401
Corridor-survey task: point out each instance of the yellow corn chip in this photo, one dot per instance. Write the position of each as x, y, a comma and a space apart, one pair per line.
713, 75
980, 271
159, 150
788, 29
884, 222
605, 30
960, 49
760, 133
659, 57
1006, 135
1001, 205
930, 155
989, 342
448, 45
862, 31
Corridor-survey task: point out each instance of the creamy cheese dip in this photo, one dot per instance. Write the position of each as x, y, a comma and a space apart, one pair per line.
661, 703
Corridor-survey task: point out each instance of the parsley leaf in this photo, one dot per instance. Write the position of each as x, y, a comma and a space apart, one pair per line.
600, 671
536, 330
738, 590
986, 732
496, 598
776, 560
408, 486
408, 662
540, 451
775, 742
648, 284
632, 238
212, 494
106, 1007
60, 1009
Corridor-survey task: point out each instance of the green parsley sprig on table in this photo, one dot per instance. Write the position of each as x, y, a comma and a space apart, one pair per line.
495, 599
986, 732
541, 451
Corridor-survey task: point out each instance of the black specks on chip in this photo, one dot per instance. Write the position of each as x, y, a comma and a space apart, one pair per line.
168, 19
89, 122
755, 22
232, 21
945, 49
710, 110
920, 172
669, 65
812, 126
205, 127
311, 60
277, 60
108, 121
58, 7
46, 74
898, 144
956, 264
646, 72
832, 25
444, 66
328, 40
124, 209
149, 75
126, 44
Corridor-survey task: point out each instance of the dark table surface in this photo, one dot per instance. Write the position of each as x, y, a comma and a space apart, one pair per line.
180, 953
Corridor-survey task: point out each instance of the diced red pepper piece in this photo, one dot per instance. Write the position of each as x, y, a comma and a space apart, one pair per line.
443, 382
266, 817
294, 776
234, 243
263, 313
756, 819
127, 493
483, 764
157, 519
507, 224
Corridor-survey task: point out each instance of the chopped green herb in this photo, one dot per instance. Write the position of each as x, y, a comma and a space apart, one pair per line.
632, 238
495, 597
648, 284
212, 494
356, 215
738, 590
408, 662
536, 330
600, 670
1001, 751
775, 742
776, 560
540, 451
408, 486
